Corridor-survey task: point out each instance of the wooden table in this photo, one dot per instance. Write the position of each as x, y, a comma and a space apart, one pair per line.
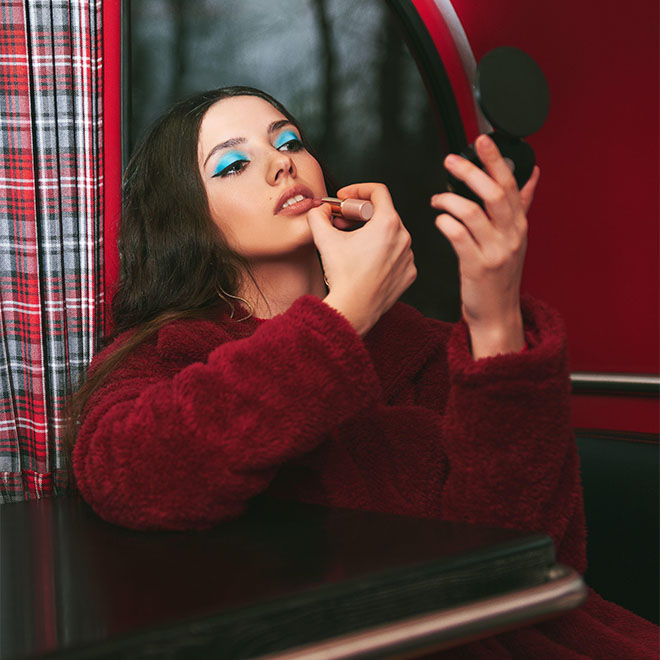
285, 581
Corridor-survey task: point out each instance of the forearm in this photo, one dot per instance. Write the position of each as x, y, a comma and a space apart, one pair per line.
507, 428
190, 450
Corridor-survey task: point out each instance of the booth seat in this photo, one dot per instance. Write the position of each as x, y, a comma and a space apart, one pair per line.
621, 496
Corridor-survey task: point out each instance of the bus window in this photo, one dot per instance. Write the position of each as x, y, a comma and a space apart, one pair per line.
345, 72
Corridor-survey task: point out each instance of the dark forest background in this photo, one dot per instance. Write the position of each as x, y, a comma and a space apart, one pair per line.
342, 68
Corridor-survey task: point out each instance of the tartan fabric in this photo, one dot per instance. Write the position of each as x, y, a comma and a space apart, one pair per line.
51, 184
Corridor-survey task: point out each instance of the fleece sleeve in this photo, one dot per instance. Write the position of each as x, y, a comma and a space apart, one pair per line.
507, 435
187, 451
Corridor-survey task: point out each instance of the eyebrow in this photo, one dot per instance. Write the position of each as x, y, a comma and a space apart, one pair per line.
233, 142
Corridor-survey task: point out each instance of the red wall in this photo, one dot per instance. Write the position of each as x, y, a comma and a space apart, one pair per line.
594, 228
594, 233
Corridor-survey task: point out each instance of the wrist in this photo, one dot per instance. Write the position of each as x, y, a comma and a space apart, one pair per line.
499, 338
352, 313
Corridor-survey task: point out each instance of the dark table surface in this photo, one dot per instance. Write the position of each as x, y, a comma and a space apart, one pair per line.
284, 575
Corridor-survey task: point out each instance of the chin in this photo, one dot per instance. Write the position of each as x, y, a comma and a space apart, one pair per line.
293, 248
300, 239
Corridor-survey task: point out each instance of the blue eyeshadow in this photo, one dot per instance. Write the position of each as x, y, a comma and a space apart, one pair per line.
284, 137
229, 159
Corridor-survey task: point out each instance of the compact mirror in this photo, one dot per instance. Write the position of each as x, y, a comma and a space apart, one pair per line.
513, 95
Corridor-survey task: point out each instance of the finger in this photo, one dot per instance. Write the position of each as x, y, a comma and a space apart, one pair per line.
340, 222
495, 198
320, 223
459, 237
497, 167
468, 212
527, 191
376, 192
385, 215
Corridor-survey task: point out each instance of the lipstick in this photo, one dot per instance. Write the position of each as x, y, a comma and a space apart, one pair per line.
358, 210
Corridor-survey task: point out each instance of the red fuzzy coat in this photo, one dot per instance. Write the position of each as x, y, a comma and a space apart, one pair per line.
208, 414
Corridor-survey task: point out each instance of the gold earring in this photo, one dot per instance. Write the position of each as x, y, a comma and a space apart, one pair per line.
224, 296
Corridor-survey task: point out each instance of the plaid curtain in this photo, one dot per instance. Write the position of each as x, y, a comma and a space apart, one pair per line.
51, 190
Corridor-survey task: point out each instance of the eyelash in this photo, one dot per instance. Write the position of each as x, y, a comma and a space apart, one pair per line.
294, 144
234, 168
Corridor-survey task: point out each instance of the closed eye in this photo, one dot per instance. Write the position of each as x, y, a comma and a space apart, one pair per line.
231, 164
288, 141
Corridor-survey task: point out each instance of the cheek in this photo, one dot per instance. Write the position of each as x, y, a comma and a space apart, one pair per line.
238, 212
226, 213
227, 197
317, 173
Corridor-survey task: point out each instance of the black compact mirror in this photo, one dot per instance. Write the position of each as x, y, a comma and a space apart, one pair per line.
513, 95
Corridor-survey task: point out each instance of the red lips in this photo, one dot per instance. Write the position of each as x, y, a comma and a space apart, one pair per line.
298, 207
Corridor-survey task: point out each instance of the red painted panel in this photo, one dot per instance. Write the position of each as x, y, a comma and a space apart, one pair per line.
594, 226
112, 142
637, 414
461, 86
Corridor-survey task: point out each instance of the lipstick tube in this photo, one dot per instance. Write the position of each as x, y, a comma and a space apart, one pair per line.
358, 210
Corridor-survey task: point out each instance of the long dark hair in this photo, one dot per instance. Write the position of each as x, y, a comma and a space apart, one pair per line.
173, 259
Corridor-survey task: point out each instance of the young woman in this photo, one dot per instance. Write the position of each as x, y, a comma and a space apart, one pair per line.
245, 364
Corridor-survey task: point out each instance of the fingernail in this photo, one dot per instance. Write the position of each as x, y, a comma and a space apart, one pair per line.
484, 142
452, 160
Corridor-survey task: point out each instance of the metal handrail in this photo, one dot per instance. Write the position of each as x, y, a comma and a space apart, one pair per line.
585, 382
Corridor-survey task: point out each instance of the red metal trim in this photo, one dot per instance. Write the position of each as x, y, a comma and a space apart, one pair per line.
442, 38
616, 413
112, 145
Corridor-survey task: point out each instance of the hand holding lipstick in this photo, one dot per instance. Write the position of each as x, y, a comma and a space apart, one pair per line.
367, 269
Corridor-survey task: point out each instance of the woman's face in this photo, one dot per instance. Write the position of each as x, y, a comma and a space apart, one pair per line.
259, 178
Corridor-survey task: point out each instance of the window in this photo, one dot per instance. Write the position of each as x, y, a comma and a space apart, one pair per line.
345, 72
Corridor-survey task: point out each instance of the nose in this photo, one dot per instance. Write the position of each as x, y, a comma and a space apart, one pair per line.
280, 166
